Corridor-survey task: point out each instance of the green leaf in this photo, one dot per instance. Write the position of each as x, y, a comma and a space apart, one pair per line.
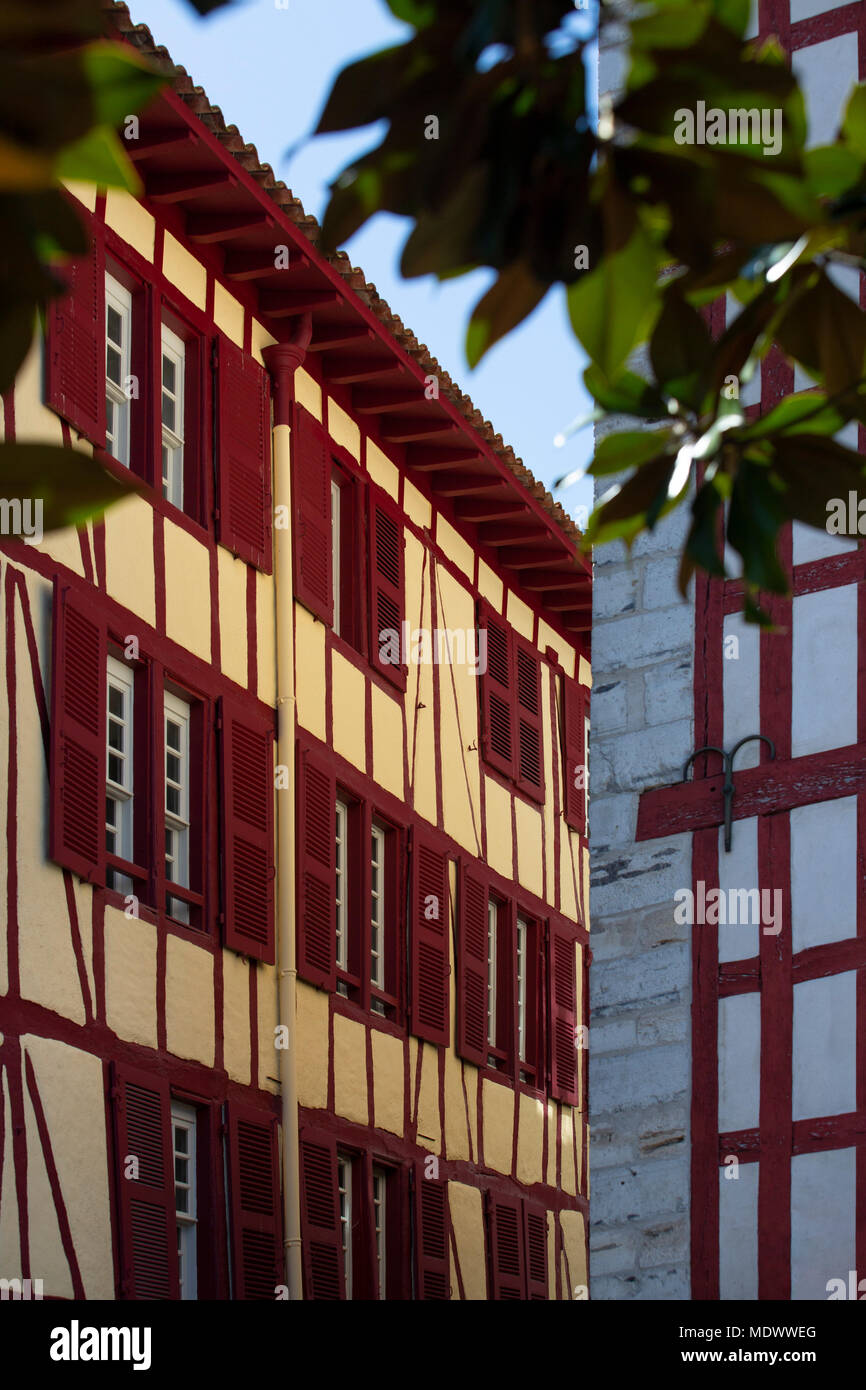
806, 412
17, 322
831, 170
121, 82
99, 158
733, 14
754, 519
680, 349
825, 331
815, 471
701, 549
368, 89
508, 302
71, 485
621, 514
630, 449
854, 121
677, 27
627, 394
613, 306
419, 13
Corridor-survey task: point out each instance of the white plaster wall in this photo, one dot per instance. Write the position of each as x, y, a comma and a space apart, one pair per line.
825, 1046
822, 1221
824, 674
824, 872
741, 685
739, 869
738, 1232
826, 72
739, 1061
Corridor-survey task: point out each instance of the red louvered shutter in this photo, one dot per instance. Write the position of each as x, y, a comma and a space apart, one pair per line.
324, 1272
535, 1224
317, 797
75, 348
497, 693
505, 1216
311, 495
472, 969
247, 804
530, 756
575, 754
563, 1007
430, 966
257, 1265
386, 588
78, 735
433, 1274
244, 457
145, 1186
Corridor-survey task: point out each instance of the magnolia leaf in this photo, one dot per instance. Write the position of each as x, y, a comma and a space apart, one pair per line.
120, 81
622, 512
71, 485
627, 394
99, 157
854, 121
507, 303
630, 449
613, 306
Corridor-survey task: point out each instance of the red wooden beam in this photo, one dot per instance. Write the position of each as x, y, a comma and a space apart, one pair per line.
177, 188
156, 141
539, 580
510, 533
250, 265
335, 335
518, 557
480, 509
283, 304
346, 370
209, 227
428, 459
379, 402
404, 430
458, 484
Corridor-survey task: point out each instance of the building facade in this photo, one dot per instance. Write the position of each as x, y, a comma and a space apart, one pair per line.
295, 936
729, 1012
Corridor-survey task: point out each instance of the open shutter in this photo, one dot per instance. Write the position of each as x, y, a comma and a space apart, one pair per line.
255, 1203
247, 804
386, 588
311, 496
75, 347
429, 1006
505, 1216
145, 1186
535, 1226
563, 1005
472, 969
575, 754
529, 756
324, 1272
433, 1274
78, 735
497, 691
317, 796
244, 457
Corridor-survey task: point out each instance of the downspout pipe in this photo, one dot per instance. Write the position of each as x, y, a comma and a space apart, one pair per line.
282, 361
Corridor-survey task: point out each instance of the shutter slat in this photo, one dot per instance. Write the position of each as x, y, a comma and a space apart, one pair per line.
247, 830
536, 1251
431, 1237
75, 347
255, 1203
244, 445
430, 969
386, 586
505, 1219
324, 1273
472, 969
311, 495
148, 1228
563, 1006
574, 737
316, 875
530, 759
497, 694
78, 736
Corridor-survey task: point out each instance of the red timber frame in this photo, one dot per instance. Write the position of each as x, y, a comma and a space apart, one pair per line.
769, 791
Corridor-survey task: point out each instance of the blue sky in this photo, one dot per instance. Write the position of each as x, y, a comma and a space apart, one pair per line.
269, 65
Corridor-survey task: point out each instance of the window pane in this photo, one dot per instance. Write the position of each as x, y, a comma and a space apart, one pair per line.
172, 734
168, 411
115, 700
114, 325
168, 374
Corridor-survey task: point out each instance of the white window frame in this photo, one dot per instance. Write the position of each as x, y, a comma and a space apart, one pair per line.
378, 842
177, 822
344, 1194
336, 558
174, 348
492, 945
184, 1117
522, 943
121, 794
117, 297
380, 1217
340, 885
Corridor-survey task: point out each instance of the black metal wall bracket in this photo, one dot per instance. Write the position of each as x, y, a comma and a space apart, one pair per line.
728, 764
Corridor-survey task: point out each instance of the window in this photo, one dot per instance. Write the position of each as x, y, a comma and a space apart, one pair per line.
492, 919
377, 912
380, 1229
344, 1191
340, 902
354, 1221
177, 823
184, 1157
521, 989
510, 705
118, 350
500, 983
119, 783
172, 416
335, 551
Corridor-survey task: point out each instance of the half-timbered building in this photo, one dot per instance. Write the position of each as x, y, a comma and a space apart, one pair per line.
294, 885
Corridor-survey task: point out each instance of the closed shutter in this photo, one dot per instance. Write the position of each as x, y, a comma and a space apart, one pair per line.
257, 1266
386, 588
247, 804
505, 1224
78, 735
145, 1185
497, 694
563, 1005
317, 941
75, 348
575, 754
311, 496
324, 1272
244, 457
429, 1004
472, 969
535, 1225
433, 1274
529, 760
